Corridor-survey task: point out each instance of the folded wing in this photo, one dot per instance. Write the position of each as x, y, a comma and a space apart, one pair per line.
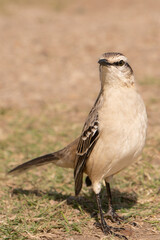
86, 144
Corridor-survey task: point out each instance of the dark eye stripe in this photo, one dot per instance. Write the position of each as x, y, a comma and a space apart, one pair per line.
119, 63
116, 63
125, 63
104, 62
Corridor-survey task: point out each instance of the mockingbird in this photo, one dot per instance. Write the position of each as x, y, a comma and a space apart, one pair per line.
113, 135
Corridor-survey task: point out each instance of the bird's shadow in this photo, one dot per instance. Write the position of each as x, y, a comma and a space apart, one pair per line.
86, 202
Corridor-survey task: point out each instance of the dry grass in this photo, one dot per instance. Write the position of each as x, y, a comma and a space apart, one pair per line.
38, 204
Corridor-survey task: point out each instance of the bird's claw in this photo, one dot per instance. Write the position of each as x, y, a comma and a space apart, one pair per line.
111, 230
113, 216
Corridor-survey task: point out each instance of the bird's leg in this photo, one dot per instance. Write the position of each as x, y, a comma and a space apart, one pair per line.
111, 214
104, 226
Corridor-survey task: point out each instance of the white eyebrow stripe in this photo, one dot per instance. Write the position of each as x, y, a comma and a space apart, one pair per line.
114, 59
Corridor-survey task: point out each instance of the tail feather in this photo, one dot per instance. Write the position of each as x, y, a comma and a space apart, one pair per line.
45, 159
62, 158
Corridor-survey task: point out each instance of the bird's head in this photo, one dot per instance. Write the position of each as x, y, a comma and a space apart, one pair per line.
115, 70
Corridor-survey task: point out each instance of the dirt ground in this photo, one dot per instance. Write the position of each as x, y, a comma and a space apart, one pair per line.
49, 55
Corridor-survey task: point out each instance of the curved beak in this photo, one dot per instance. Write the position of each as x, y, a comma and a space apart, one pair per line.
104, 62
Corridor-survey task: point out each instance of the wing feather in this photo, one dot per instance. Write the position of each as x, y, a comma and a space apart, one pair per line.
84, 149
87, 141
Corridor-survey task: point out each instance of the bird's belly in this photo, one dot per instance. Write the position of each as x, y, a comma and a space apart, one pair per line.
116, 148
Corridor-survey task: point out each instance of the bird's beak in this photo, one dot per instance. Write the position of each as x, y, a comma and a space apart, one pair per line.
104, 62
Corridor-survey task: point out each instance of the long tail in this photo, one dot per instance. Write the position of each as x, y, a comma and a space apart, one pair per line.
63, 158
35, 162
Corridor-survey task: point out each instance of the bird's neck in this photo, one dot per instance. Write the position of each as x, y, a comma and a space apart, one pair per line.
110, 81
107, 79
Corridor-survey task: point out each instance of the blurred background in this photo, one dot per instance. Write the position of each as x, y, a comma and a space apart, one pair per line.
49, 79
49, 49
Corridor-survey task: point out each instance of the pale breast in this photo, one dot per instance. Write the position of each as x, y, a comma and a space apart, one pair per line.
123, 124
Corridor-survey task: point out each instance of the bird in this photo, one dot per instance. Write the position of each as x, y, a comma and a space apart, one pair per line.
112, 137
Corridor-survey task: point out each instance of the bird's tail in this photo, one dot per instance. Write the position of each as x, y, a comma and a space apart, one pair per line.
35, 162
63, 158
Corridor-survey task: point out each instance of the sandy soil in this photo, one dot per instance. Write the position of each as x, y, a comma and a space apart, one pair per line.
50, 55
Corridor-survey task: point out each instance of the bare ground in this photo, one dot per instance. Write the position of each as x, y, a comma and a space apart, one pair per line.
49, 56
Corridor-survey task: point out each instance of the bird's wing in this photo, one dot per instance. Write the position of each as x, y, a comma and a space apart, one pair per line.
86, 144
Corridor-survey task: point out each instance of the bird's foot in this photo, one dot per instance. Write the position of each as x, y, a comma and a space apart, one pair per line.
113, 216
111, 230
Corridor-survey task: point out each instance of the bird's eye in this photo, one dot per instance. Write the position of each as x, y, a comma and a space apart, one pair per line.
121, 63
